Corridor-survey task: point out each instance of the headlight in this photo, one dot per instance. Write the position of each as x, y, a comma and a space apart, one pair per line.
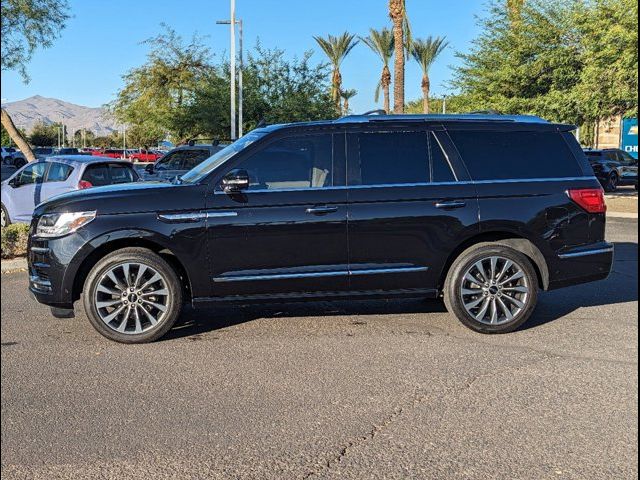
61, 224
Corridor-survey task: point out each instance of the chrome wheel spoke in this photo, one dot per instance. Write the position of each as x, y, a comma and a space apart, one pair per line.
494, 290
122, 302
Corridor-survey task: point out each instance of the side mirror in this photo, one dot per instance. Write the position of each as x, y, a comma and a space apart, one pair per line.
149, 168
14, 183
235, 181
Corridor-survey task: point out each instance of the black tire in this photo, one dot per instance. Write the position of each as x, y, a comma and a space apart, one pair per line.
612, 183
137, 256
455, 279
6, 221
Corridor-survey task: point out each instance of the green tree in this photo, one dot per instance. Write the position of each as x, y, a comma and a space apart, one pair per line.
158, 96
425, 52
347, 95
6, 138
336, 48
27, 25
382, 43
45, 135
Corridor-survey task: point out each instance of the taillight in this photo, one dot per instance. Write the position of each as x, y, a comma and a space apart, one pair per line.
591, 199
84, 184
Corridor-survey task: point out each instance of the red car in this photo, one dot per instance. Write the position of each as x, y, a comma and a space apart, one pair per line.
111, 153
145, 156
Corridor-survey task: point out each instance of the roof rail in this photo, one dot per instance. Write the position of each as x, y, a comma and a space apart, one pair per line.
435, 118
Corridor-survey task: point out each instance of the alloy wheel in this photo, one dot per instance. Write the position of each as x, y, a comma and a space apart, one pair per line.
494, 290
132, 298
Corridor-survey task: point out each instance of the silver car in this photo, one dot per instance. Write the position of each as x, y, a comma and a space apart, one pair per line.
39, 181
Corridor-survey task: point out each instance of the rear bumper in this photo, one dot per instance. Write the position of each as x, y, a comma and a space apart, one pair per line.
588, 263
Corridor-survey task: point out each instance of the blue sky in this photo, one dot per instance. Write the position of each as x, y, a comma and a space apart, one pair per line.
100, 44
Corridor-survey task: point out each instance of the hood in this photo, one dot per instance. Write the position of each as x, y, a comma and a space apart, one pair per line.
126, 198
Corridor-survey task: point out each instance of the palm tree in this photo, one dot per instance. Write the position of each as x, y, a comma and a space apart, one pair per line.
337, 48
382, 43
425, 53
346, 96
401, 29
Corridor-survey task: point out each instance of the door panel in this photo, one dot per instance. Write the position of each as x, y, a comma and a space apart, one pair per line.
274, 240
29, 192
401, 233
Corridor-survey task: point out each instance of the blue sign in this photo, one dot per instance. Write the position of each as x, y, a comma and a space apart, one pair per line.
629, 141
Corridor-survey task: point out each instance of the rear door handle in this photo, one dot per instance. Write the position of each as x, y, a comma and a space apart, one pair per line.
321, 210
451, 204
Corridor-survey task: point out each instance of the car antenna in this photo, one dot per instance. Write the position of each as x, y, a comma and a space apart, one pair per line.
375, 112
262, 123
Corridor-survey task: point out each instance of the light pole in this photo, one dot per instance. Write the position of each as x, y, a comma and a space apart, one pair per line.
444, 104
236, 124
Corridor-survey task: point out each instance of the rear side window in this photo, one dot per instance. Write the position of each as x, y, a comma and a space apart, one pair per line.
58, 172
440, 167
97, 175
505, 155
389, 158
121, 174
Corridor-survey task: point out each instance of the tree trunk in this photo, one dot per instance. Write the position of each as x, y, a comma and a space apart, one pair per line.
386, 82
16, 136
426, 87
346, 106
398, 88
337, 88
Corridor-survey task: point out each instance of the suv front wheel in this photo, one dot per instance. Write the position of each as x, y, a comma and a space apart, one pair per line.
132, 296
491, 288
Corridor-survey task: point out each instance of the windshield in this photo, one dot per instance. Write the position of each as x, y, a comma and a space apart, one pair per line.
209, 165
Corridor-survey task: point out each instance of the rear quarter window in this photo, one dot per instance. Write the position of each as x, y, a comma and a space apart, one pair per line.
506, 155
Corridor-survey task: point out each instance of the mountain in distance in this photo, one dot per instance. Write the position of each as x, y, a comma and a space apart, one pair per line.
33, 110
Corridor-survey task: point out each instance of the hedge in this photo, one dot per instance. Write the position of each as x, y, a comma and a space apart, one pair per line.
14, 240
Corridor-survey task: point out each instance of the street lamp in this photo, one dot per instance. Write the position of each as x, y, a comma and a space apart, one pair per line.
233, 22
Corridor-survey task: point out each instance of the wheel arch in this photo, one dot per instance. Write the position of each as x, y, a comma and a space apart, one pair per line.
111, 246
509, 239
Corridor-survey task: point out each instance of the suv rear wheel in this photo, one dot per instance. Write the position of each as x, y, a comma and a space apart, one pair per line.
132, 296
6, 221
612, 182
491, 288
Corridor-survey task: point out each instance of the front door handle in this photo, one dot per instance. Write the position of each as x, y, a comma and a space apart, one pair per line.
321, 210
451, 204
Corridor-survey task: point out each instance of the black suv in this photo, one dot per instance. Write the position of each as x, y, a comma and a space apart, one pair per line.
178, 162
613, 168
481, 210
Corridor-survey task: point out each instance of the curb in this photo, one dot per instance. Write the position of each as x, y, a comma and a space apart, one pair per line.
622, 215
14, 265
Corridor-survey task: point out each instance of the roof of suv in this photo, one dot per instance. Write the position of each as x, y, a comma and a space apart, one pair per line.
469, 118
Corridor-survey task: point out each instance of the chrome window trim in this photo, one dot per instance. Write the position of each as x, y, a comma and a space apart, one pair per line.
422, 184
220, 214
340, 273
586, 253
182, 217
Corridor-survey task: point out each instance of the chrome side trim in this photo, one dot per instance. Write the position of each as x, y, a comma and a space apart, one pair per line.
221, 214
293, 276
422, 184
182, 217
380, 271
586, 253
284, 276
40, 250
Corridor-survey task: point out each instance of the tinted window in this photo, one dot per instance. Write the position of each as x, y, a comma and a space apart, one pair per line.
491, 155
393, 158
32, 174
43, 151
183, 160
440, 167
122, 174
593, 155
58, 172
296, 162
97, 175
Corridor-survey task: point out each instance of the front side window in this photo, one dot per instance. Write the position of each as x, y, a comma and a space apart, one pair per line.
507, 155
183, 160
292, 163
32, 174
391, 158
58, 172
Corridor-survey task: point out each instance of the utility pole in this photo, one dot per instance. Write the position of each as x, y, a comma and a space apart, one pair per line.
236, 118
444, 105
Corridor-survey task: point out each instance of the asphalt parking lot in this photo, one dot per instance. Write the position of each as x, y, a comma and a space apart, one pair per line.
351, 390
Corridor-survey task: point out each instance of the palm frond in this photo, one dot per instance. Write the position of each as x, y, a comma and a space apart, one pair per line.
382, 42
348, 94
336, 48
426, 51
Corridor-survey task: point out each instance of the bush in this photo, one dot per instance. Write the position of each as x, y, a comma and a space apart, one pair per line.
14, 240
